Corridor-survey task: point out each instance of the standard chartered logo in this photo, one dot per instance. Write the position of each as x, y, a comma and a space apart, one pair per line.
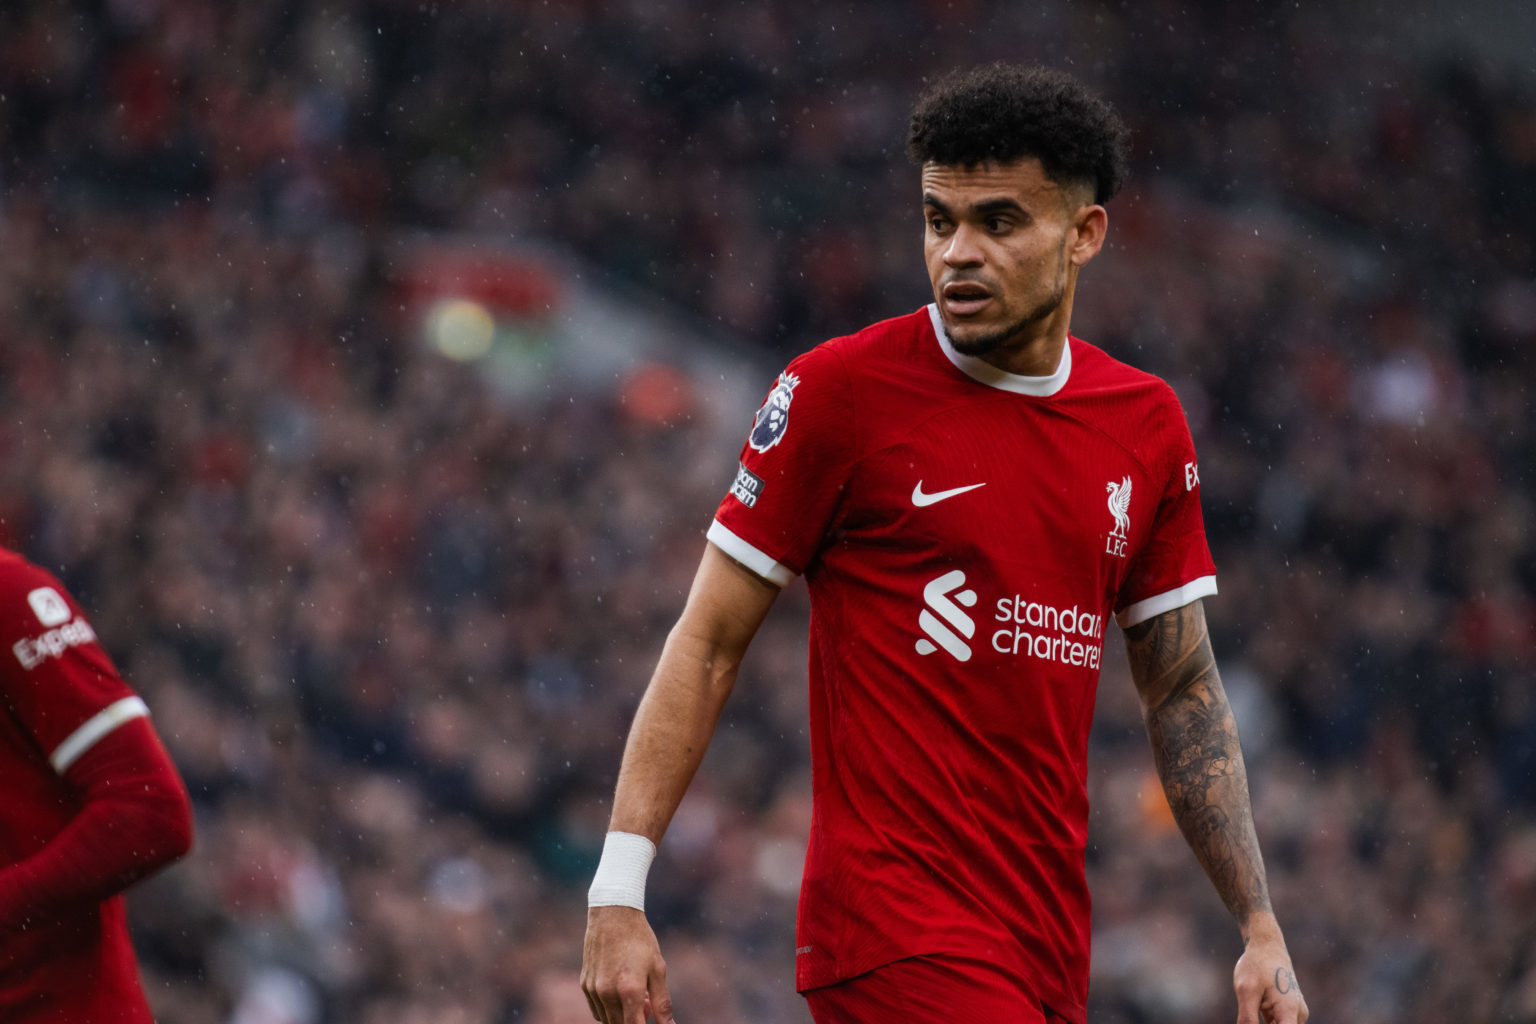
1073, 636
1068, 634
942, 618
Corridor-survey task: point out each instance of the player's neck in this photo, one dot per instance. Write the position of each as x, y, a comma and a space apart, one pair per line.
1036, 352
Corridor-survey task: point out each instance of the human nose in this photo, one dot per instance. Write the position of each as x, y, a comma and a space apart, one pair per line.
964, 249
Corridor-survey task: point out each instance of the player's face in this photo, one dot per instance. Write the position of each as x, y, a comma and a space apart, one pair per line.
1003, 244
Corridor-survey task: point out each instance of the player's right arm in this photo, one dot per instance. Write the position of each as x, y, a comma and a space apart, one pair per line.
623, 974
768, 528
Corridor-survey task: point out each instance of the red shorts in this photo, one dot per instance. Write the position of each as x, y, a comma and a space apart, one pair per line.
929, 990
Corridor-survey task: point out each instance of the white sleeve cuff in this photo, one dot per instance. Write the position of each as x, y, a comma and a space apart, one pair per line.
764, 565
1141, 611
99, 725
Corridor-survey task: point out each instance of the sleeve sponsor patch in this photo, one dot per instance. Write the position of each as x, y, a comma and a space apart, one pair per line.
50, 608
772, 420
52, 644
747, 486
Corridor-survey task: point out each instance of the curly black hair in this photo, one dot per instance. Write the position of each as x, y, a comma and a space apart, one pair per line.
1005, 112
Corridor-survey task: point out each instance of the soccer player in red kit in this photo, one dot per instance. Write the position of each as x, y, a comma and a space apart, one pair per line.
91, 804
970, 493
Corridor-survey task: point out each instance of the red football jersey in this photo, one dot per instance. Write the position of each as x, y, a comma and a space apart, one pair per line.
59, 695
964, 533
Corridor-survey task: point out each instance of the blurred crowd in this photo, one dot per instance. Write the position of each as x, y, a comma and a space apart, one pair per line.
392, 625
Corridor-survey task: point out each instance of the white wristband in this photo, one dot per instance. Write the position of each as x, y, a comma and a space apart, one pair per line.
621, 871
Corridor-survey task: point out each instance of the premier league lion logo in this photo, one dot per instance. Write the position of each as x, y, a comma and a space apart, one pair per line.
773, 418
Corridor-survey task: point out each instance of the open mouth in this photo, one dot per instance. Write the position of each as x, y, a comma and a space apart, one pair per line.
963, 298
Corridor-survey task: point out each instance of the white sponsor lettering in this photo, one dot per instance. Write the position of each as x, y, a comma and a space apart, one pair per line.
1068, 624
1070, 635
33, 652
1191, 476
1045, 616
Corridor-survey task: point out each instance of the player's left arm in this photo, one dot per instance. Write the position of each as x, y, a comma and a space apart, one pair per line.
1200, 761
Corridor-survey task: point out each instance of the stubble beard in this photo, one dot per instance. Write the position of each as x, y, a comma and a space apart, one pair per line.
1020, 328
1024, 326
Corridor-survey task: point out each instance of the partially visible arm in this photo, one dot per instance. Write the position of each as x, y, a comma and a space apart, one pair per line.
135, 818
1200, 761
693, 678
623, 974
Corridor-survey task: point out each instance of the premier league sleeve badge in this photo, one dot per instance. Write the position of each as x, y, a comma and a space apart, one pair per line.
772, 419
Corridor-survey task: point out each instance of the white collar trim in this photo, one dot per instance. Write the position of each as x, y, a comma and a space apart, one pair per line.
983, 372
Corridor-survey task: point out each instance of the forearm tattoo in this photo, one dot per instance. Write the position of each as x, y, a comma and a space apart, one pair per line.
1194, 741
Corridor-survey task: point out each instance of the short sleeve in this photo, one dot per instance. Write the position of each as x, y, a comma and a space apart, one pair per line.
55, 678
1174, 565
794, 466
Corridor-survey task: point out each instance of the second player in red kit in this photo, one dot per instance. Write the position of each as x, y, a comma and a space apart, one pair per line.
92, 803
971, 494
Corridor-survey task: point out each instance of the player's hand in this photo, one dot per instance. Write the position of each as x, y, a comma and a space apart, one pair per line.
1265, 982
622, 973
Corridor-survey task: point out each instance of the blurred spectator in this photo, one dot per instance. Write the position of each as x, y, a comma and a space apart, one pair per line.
393, 625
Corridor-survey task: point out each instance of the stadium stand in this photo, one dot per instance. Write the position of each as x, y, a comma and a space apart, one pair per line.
392, 616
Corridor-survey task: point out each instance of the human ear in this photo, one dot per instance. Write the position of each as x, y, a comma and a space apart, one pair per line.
1090, 225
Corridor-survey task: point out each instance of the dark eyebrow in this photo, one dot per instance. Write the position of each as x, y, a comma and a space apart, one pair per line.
998, 206
984, 208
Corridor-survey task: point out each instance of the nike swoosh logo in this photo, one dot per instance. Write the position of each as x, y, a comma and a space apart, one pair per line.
920, 499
